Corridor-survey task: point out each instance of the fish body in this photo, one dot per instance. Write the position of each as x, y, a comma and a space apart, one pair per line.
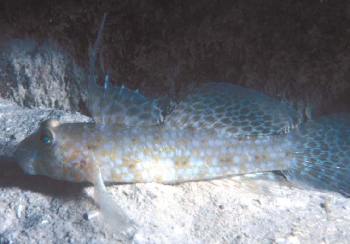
152, 154
238, 131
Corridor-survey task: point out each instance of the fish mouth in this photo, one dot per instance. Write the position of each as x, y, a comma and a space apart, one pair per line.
26, 159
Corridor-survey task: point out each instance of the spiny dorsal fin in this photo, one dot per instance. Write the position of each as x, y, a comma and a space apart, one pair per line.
118, 105
233, 109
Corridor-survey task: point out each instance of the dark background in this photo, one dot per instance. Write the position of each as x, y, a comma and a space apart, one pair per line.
296, 51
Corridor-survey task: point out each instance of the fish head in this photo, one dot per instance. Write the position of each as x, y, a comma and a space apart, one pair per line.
36, 153
58, 151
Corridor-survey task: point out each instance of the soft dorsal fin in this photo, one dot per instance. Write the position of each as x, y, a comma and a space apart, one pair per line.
118, 105
233, 109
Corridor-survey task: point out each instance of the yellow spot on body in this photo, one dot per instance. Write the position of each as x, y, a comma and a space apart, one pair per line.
113, 156
77, 175
115, 176
159, 178
91, 168
180, 178
69, 144
181, 162
65, 171
137, 176
105, 153
81, 165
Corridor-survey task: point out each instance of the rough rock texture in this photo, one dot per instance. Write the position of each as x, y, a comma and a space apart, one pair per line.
297, 51
44, 75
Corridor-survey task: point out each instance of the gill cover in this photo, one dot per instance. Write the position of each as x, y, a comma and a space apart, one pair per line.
34, 153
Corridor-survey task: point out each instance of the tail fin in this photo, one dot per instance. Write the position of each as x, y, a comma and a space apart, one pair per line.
324, 154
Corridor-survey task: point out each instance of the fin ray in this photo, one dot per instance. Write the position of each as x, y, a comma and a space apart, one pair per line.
116, 218
324, 154
118, 105
122, 106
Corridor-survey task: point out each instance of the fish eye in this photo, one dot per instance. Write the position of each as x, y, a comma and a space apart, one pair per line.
46, 138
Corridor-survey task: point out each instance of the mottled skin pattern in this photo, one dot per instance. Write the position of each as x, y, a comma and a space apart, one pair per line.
151, 154
230, 135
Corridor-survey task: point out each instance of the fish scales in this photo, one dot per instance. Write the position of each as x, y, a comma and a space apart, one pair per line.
157, 153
